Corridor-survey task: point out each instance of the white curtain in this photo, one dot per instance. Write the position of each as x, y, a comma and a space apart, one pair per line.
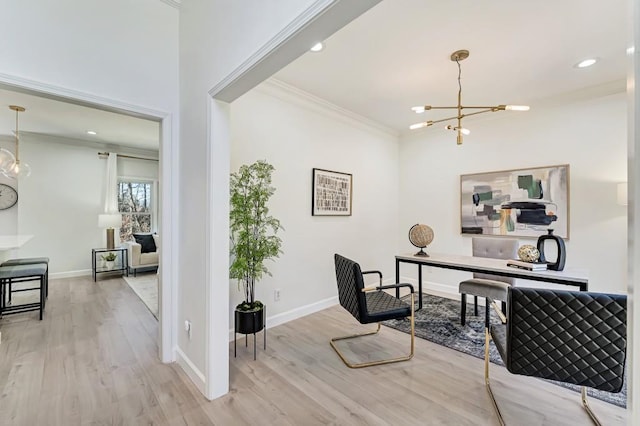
111, 182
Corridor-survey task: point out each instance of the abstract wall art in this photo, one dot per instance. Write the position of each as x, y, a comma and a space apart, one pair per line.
331, 193
516, 203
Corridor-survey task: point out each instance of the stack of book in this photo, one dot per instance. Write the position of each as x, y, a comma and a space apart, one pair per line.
529, 266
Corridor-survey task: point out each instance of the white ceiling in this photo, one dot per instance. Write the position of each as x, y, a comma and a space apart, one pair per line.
397, 55
70, 121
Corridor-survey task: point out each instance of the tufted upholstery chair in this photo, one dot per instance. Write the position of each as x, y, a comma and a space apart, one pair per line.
486, 285
369, 304
567, 336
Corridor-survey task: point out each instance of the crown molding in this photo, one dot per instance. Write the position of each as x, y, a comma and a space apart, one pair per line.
35, 137
63, 94
173, 3
292, 94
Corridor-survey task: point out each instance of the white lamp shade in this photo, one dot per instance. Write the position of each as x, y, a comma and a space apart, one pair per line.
622, 194
109, 220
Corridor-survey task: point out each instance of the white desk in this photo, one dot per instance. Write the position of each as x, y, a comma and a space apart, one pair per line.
572, 277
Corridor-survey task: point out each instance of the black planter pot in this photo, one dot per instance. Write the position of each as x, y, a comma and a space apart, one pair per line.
249, 322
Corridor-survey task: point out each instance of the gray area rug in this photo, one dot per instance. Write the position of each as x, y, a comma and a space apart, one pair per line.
145, 285
439, 322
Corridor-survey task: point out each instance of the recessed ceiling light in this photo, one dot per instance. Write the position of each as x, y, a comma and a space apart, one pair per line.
317, 47
91, 132
586, 63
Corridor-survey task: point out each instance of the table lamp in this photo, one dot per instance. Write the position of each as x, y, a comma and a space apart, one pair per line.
110, 221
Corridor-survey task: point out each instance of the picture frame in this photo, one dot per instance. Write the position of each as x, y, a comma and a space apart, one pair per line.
331, 193
520, 203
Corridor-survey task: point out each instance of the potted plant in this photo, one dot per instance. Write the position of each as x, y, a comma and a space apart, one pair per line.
253, 239
110, 259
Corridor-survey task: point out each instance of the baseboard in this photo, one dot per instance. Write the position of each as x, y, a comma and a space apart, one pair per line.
437, 289
191, 370
296, 313
70, 274
442, 290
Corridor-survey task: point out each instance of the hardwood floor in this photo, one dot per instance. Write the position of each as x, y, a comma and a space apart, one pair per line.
93, 361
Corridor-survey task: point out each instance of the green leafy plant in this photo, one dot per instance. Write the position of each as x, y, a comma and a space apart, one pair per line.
109, 257
253, 230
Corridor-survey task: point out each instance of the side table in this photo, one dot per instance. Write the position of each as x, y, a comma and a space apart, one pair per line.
99, 265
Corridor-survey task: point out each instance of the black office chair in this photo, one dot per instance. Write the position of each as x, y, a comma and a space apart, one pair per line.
566, 336
369, 304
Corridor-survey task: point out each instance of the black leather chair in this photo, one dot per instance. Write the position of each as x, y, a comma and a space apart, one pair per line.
369, 305
567, 336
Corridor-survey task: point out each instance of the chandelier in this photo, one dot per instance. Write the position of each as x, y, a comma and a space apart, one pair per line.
457, 56
10, 165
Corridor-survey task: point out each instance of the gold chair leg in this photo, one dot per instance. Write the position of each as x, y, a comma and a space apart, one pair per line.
487, 339
585, 404
383, 361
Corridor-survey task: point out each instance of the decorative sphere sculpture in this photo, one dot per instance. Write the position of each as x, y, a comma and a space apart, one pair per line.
528, 253
421, 236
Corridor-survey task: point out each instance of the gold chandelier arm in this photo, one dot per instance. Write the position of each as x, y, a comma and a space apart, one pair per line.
496, 107
460, 117
479, 112
17, 139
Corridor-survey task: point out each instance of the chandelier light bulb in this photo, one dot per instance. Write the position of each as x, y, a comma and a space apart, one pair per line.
17, 170
517, 107
418, 109
421, 125
462, 130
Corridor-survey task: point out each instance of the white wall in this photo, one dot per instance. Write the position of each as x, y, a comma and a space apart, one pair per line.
120, 49
590, 136
60, 202
295, 135
215, 37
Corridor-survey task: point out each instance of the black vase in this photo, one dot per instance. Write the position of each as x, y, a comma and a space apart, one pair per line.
249, 322
558, 265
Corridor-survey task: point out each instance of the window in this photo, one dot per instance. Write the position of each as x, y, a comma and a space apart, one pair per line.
134, 202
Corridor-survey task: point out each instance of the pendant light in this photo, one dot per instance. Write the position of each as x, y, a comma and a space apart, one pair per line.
456, 57
16, 169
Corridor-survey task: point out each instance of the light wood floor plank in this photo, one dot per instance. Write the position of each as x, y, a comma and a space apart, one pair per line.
93, 361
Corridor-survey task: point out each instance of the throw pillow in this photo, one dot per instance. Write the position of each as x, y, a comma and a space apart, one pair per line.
146, 241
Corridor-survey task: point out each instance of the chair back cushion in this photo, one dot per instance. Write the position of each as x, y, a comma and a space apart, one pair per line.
568, 336
497, 248
350, 285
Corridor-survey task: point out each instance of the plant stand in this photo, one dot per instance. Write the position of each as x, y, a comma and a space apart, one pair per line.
249, 323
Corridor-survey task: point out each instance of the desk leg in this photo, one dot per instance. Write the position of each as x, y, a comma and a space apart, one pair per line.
419, 287
397, 278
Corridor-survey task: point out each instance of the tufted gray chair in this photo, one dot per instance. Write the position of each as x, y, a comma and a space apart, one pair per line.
567, 336
369, 305
485, 285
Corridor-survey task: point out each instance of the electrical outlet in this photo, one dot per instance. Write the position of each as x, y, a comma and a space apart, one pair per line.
276, 295
187, 328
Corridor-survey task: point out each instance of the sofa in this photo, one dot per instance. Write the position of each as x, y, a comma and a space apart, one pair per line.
143, 252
